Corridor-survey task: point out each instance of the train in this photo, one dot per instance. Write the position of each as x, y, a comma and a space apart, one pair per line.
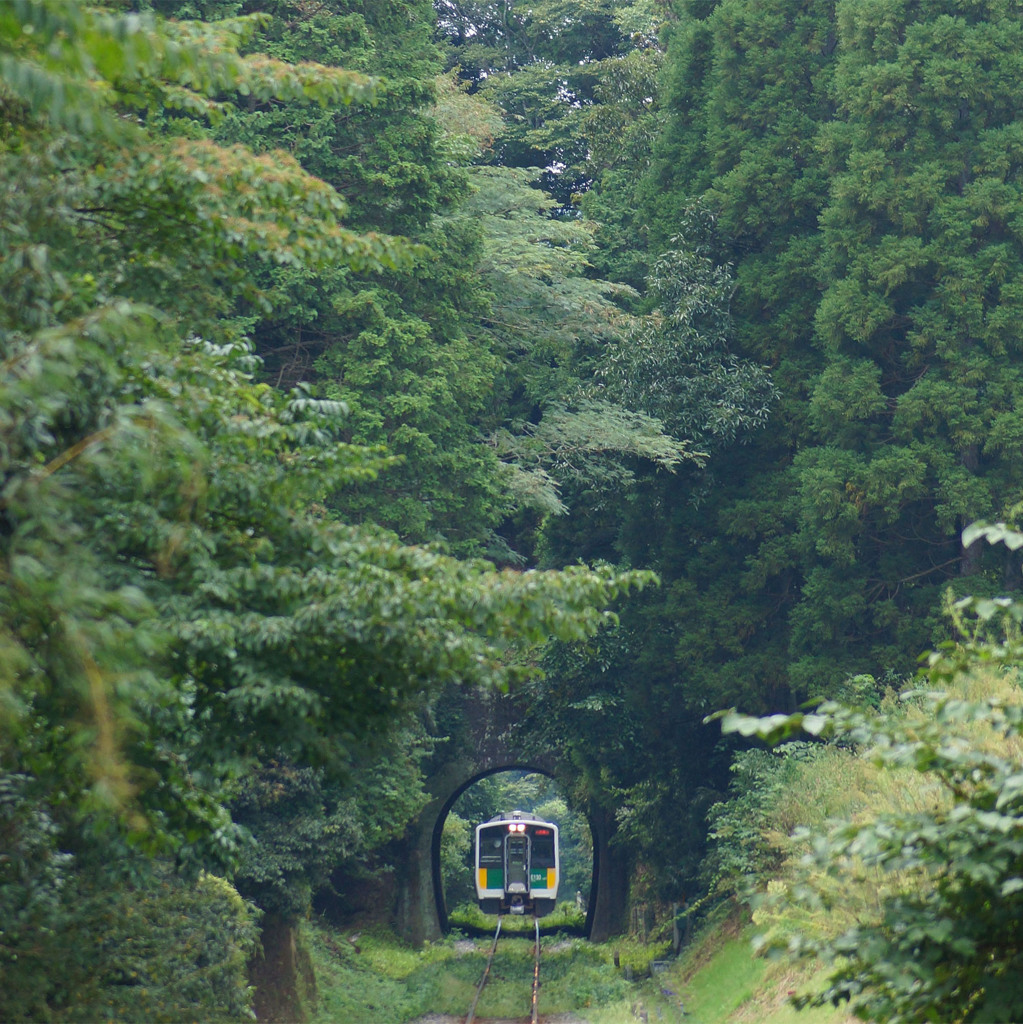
518, 865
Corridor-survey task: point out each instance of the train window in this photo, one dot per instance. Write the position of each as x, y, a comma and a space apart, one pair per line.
491, 848
543, 850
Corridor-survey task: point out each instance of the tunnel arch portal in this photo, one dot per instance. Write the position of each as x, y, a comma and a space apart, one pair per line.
480, 741
438, 833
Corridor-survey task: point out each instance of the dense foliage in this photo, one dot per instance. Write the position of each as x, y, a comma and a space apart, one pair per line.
833, 187
307, 307
861, 168
178, 599
943, 940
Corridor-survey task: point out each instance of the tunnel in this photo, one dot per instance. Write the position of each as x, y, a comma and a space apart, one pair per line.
479, 740
438, 833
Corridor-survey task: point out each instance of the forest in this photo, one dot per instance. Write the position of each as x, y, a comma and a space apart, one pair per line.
642, 360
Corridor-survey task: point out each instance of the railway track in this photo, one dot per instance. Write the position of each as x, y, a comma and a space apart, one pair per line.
534, 1006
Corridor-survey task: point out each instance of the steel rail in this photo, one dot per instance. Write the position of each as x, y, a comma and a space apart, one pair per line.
534, 1018
486, 973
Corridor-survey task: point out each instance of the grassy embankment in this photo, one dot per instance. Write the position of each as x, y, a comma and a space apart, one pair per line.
718, 979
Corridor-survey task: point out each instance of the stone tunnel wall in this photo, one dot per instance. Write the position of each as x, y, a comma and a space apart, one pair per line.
480, 741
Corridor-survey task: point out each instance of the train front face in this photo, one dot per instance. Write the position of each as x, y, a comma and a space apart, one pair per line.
517, 865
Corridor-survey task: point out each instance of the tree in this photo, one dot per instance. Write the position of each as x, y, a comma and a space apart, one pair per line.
909, 415
130, 945
808, 132
397, 347
542, 65
176, 601
678, 366
743, 89
306, 824
622, 127
564, 444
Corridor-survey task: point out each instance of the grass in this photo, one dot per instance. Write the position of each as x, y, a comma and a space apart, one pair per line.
379, 980
565, 917
840, 785
843, 785
725, 982
367, 981
718, 980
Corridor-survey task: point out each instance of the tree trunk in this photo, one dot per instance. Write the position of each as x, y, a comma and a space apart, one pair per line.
609, 899
970, 558
275, 974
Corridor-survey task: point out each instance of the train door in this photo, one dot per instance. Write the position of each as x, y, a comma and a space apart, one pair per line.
517, 863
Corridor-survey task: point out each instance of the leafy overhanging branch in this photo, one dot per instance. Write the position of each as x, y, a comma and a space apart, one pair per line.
78, 67
175, 595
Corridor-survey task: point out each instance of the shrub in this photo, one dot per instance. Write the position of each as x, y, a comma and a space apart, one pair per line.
87, 942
